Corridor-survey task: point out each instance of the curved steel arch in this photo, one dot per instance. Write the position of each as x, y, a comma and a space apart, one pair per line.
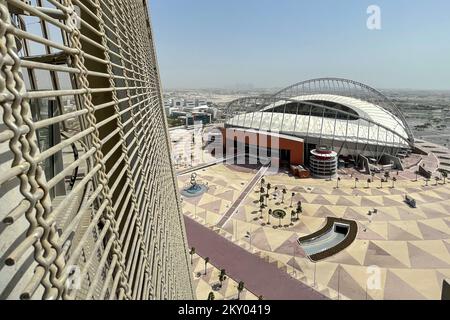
383, 101
229, 107
269, 100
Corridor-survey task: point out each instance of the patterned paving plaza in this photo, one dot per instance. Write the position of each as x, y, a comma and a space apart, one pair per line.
408, 248
209, 282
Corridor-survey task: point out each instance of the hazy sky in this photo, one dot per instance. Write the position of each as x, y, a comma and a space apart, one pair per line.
274, 43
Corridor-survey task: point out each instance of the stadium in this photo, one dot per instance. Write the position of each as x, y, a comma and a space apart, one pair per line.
348, 121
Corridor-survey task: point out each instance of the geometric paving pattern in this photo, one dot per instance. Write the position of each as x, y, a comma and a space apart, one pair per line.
410, 247
204, 284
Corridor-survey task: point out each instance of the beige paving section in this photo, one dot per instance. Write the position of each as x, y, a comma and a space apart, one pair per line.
209, 282
407, 249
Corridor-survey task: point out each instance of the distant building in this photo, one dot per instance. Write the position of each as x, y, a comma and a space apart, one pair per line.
201, 102
350, 118
177, 103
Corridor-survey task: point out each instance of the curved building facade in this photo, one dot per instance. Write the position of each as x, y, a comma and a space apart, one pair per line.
350, 118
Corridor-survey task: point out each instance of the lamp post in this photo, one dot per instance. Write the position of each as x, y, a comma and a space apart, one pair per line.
248, 235
315, 269
339, 279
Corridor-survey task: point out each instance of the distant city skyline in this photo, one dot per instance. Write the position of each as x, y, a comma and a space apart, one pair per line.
268, 44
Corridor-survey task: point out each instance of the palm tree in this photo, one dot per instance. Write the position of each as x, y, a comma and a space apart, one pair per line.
240, 288
373, 176
261, 200
262, 181
262, 190
261, 210
192, 252
426, 181
268, 216
222, 276
269, 186
206, 263
368, 182
267, 197
292, 198
437, 179
337, 182
299, 209
211, 296
444, 175
297, 212
282, 196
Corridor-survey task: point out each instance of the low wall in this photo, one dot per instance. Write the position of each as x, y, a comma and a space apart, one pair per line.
365, 163
397, 163
445, 289
424, 173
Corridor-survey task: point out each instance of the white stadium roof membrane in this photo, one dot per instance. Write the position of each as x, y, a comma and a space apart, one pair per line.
374, 125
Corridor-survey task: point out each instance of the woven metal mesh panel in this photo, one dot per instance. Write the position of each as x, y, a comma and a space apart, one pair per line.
89, 199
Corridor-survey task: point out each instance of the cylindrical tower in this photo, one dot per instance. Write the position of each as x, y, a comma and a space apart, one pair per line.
323, 162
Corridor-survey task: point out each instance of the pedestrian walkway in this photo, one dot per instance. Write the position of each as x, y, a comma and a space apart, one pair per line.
259, 276
262, 171
205, 165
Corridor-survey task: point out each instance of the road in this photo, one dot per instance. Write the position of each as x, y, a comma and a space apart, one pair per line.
259, 276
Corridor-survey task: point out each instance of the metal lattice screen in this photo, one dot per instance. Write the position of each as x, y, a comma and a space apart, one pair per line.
89, 199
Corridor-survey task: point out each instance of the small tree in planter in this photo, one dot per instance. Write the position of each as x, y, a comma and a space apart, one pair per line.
222, 276
299, 209
192, 252
268, 216
240, 288
261, 200
261, 208
444, 175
